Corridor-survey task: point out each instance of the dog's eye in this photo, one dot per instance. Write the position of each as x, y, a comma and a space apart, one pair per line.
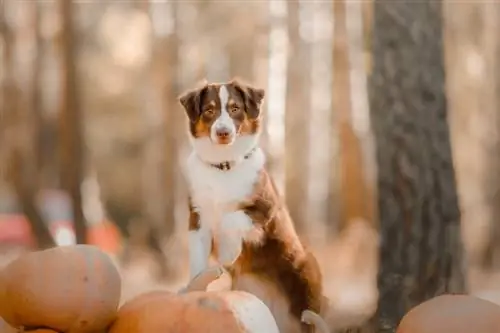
208, 111
234, 109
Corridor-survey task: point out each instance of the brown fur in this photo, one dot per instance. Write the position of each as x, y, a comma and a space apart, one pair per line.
203, 107
280, 260
194, 217
278, 269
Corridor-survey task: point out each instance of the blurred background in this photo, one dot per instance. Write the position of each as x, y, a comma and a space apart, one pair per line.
381, 127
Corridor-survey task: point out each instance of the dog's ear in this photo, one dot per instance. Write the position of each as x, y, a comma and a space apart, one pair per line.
252, 97
191, 101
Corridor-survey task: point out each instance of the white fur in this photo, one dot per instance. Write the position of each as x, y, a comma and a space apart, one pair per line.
200, 245
251, 312
272, 298
216, 193
234, 228
224, 121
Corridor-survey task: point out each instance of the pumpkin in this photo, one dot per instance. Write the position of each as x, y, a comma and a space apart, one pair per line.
195, 312
452, 313
68, 288
6, 328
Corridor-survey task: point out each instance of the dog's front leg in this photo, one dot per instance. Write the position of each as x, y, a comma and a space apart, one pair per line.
200, 243
236, 227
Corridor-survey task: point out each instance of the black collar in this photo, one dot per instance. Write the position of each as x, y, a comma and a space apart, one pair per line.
228, 165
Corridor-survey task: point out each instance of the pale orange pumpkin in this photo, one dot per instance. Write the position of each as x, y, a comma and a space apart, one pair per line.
5, 327
195, 312
454, 314
69, 289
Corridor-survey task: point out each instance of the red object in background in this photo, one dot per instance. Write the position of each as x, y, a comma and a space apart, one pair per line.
105, 235
15, 229
56, 210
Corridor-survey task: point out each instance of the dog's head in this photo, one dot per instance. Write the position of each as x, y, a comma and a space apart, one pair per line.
223, 112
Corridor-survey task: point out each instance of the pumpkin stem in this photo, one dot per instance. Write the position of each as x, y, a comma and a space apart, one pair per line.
312, 318
201, 281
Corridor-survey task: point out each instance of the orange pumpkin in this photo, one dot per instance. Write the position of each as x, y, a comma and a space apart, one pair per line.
69, 289
195, 312
452, 313
6, 328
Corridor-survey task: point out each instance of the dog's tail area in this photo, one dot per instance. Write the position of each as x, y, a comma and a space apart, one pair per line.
312, 318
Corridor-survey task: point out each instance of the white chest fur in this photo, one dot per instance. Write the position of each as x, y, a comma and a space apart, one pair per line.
211, 188
215, 195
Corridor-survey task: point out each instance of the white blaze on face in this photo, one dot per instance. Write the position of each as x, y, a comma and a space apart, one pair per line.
224, 122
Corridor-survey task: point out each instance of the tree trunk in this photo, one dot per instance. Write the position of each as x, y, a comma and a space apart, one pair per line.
421, 254
17, 151
355, 197
296, 121
71, 122
241, 53
36, 98
160, 157
357, 222
26, 194
473, 64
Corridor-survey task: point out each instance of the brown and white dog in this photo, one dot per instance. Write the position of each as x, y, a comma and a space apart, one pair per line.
236, 213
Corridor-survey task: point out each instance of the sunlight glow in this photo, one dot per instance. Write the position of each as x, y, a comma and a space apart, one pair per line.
125, 33
64, 236
277, 76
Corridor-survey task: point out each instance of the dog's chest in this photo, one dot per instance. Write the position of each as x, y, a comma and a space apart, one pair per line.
215, 192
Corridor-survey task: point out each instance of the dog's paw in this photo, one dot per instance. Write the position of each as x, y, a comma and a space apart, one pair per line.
259, 209
201, 281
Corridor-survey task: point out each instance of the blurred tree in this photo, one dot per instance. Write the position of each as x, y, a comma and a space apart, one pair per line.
241, 45
296, 120
356, 189
160, 155
355, 196
261, 70
473, 69
70, 121
35, 117
18, 135
421, 254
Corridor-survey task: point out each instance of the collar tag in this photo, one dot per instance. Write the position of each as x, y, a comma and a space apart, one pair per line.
228, 165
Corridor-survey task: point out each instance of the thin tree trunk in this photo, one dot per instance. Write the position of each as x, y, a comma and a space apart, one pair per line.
356, 189
36, 100
174, 130
261, 70
495, 239
296, 121
26, 194
160, 151
71, 122
241, 56
354, 194
473, 58
421, 254
15, 152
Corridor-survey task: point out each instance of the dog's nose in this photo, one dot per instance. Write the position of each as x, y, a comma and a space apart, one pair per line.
223, 133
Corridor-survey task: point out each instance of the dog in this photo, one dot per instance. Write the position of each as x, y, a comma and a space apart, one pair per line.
236, 214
